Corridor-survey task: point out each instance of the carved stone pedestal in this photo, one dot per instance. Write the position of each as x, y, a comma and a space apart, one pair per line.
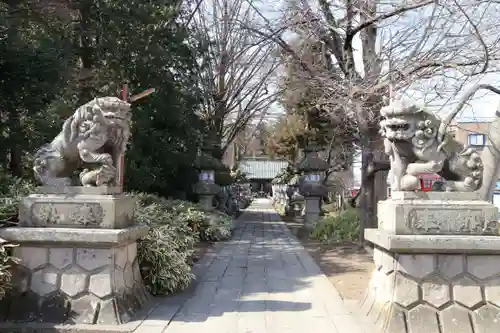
86, 274
433, 281
206, 201
312, 194
440, 213
206, 192
311, 211
77, 207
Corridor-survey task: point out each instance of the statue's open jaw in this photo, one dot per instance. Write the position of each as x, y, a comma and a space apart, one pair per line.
111, 115
115, 110
123, 115
95, 135
120, 119
398, 129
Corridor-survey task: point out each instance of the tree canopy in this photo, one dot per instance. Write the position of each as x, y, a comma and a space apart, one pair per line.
55, 56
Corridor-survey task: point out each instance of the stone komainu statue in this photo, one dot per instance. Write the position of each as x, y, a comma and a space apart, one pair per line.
92, 139
417, 142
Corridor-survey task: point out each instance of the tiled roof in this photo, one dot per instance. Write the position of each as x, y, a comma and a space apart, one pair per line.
262, 169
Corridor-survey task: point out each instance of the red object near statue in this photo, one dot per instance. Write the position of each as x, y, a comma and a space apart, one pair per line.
427, 180
132, 99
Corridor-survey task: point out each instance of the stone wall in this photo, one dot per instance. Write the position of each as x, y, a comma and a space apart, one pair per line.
77, 285
434, 293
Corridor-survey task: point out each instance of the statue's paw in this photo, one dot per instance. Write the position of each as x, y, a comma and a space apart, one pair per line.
410, 183
108, 168
474, 164
469, 181
477, 174
103, 180
437, 166
472, 183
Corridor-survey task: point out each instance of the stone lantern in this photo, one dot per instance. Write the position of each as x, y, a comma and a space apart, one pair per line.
313, 169
206, 187
295, 199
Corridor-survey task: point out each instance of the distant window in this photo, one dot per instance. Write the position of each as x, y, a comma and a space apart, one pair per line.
476, 139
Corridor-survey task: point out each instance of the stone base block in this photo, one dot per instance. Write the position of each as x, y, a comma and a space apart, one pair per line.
95, 282
77, 207
311, 211
437, 213
206, 188
434, 293
206, 201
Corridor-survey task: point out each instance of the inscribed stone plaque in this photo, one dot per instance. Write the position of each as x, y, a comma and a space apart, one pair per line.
450, 221
77, 211
84, 214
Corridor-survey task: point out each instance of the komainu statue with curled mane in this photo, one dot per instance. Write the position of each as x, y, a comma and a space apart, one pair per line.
91, 141
418, 142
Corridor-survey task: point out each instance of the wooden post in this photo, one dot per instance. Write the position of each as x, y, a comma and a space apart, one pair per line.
121, 161
120, 168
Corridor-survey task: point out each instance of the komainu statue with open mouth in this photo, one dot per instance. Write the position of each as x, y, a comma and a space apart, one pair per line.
418, 142
91, 140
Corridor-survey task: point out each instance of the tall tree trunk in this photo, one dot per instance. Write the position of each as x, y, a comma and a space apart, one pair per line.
367, 199
380, 179
86, 52
15, 135
215, 142
374, 184
374, 168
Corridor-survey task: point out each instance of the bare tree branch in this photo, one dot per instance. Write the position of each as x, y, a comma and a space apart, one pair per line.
350, 35
239, 68
428, 49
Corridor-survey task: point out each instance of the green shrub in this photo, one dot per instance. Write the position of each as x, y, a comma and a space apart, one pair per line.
337, 227
11, 191
163, 254
175, 226
208, 225
5, 263
218, 226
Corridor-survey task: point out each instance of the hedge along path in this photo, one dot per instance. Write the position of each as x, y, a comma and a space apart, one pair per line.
262, 281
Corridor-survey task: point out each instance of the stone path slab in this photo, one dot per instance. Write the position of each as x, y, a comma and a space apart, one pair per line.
260, 281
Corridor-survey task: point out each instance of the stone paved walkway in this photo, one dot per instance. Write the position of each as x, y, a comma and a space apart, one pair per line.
261, 281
